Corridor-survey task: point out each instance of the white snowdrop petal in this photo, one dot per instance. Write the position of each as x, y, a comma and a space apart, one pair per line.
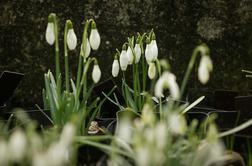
159, 87
167, 80
50, 36
88, 49
94, 39
205, 67
177, 123
154, 49
3, 153
123, 60
148, 53
137, 50
130, 56
115, 68
71, 39
152, 70
17, 145
96, 73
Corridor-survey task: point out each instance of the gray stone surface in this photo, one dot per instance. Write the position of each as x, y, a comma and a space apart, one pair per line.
226, 26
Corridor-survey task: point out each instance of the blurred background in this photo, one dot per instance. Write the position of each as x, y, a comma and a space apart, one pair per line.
224, 25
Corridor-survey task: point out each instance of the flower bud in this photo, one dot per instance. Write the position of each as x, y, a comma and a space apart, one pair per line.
154, 49
94, 37
88, 49
205, 67
115, 67
177, 123
50, 36
130, 56
71, 37
123, 59
148, 53
3, 153
152, 70
96, 73
137, 50
17, 145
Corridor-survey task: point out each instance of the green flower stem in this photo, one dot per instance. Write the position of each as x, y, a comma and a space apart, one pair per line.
124, 88
84, 42
79, 71
84, 75
66, 58
57, 57
138, 88
188, 71
144, 70
135, 83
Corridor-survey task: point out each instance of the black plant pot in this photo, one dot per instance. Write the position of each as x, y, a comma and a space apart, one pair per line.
225, 119
225, 99
244, 105
2, 111
40, 116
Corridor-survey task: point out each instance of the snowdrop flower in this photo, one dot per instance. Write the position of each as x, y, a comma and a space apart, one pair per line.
17, 145
177, 123
154, 48
148, 53
123, 59
167, 80
88, 49
71, 36
94, 37
67, 134
115, 67
137, 50
211, 149
161, 135
57, 154
205, 67
96, 73
130, 56
148, 116
203, 49
152, 70
143, 156
50, 36
3, 153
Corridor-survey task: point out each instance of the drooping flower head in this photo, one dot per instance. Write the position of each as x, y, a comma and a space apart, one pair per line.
138, 53
87, 51
94, 37
17, 145
205, 66
130, 55
154, 48
167, 80
123, 59
152, 70
96, 73
115, 67
50, 32
148, 51
71, 36
177, 123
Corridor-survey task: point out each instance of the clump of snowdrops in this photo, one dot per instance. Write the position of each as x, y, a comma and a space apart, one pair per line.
66, 98
24, 145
